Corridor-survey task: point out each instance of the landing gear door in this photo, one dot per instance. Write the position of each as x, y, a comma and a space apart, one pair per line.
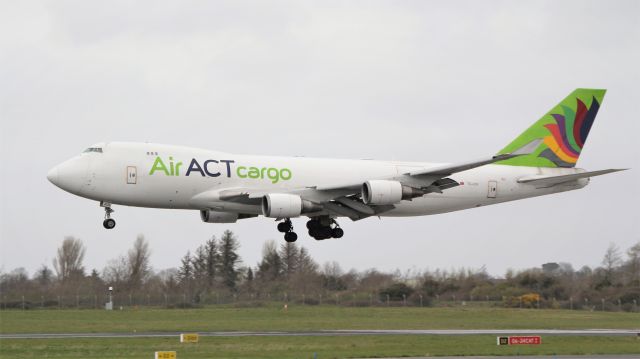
492, 190
132, 175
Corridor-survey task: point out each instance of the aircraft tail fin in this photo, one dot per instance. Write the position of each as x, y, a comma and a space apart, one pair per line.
563, 132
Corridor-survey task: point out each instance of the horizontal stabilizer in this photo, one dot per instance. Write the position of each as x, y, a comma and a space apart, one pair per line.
548, 181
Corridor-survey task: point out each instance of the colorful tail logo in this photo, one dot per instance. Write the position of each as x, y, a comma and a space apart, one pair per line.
569, 133
563, 131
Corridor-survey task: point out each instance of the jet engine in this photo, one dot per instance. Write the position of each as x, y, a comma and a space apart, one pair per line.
210, 216
383, 192
284, 205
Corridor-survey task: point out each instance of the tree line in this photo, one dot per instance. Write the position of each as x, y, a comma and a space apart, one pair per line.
213, 273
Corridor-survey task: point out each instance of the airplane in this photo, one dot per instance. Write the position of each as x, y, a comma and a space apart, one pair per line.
226, 187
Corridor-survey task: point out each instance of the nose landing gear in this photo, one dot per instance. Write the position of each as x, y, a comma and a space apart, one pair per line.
286, 227
108, 222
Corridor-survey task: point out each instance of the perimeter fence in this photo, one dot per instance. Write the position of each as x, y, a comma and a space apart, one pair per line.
121, 301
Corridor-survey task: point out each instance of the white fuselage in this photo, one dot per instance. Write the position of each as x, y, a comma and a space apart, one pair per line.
130, 174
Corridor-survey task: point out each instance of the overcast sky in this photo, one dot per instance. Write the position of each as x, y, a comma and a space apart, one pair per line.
440, 81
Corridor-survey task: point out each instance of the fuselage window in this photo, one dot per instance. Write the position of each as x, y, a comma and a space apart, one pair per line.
93, 149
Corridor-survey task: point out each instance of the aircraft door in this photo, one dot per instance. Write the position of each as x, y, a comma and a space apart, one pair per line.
492, 190
132, 175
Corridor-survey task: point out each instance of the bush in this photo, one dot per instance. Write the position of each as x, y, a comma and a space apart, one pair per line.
396, 291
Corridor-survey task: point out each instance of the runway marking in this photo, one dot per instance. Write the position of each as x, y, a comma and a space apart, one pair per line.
347, 332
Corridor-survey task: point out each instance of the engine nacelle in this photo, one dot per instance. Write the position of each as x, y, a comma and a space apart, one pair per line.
284, 205
380, 192
383, 192
210, 216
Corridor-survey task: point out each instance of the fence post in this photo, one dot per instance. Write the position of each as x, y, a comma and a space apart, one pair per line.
23, 302
404, 299
166, 301
302, 298
571, 303
320, 301
59, 302
77, 301
42, 301
370, 299
388, 300
603, 304
95, 301
619, 305
420, 300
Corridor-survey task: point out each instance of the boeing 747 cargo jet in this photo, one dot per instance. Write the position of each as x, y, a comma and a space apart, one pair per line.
226, 187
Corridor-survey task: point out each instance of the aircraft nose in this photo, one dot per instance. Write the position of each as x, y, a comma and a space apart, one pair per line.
52, 176
70, 175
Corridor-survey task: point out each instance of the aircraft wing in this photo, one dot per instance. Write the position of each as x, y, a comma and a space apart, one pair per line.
343, 199
550, 181
448, 170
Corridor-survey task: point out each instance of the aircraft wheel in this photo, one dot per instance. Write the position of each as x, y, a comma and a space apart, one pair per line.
284, 227
337, 232
312, 224
109, 223
326, 232
290, 237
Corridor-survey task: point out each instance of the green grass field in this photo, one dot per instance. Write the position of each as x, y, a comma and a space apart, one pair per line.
307, 318
304, 347
301, 318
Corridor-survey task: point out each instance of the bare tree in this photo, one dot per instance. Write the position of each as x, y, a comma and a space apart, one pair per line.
138, 262
68, 262
611, 261
289, 253
633, 264
116, 272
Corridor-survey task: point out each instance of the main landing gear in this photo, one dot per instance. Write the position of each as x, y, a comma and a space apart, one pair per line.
286, 227
108, 222
324, 228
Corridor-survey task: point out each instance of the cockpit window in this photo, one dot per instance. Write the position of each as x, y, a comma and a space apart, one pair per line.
93, 149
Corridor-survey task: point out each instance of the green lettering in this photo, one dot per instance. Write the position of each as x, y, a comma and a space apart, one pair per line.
287, 176
158, 165
254, 172
273, 175
262, 172
241, 168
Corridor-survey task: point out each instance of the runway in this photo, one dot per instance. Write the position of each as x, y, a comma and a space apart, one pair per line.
319, 333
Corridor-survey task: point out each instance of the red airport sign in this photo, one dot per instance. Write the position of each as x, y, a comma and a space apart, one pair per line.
519, 340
